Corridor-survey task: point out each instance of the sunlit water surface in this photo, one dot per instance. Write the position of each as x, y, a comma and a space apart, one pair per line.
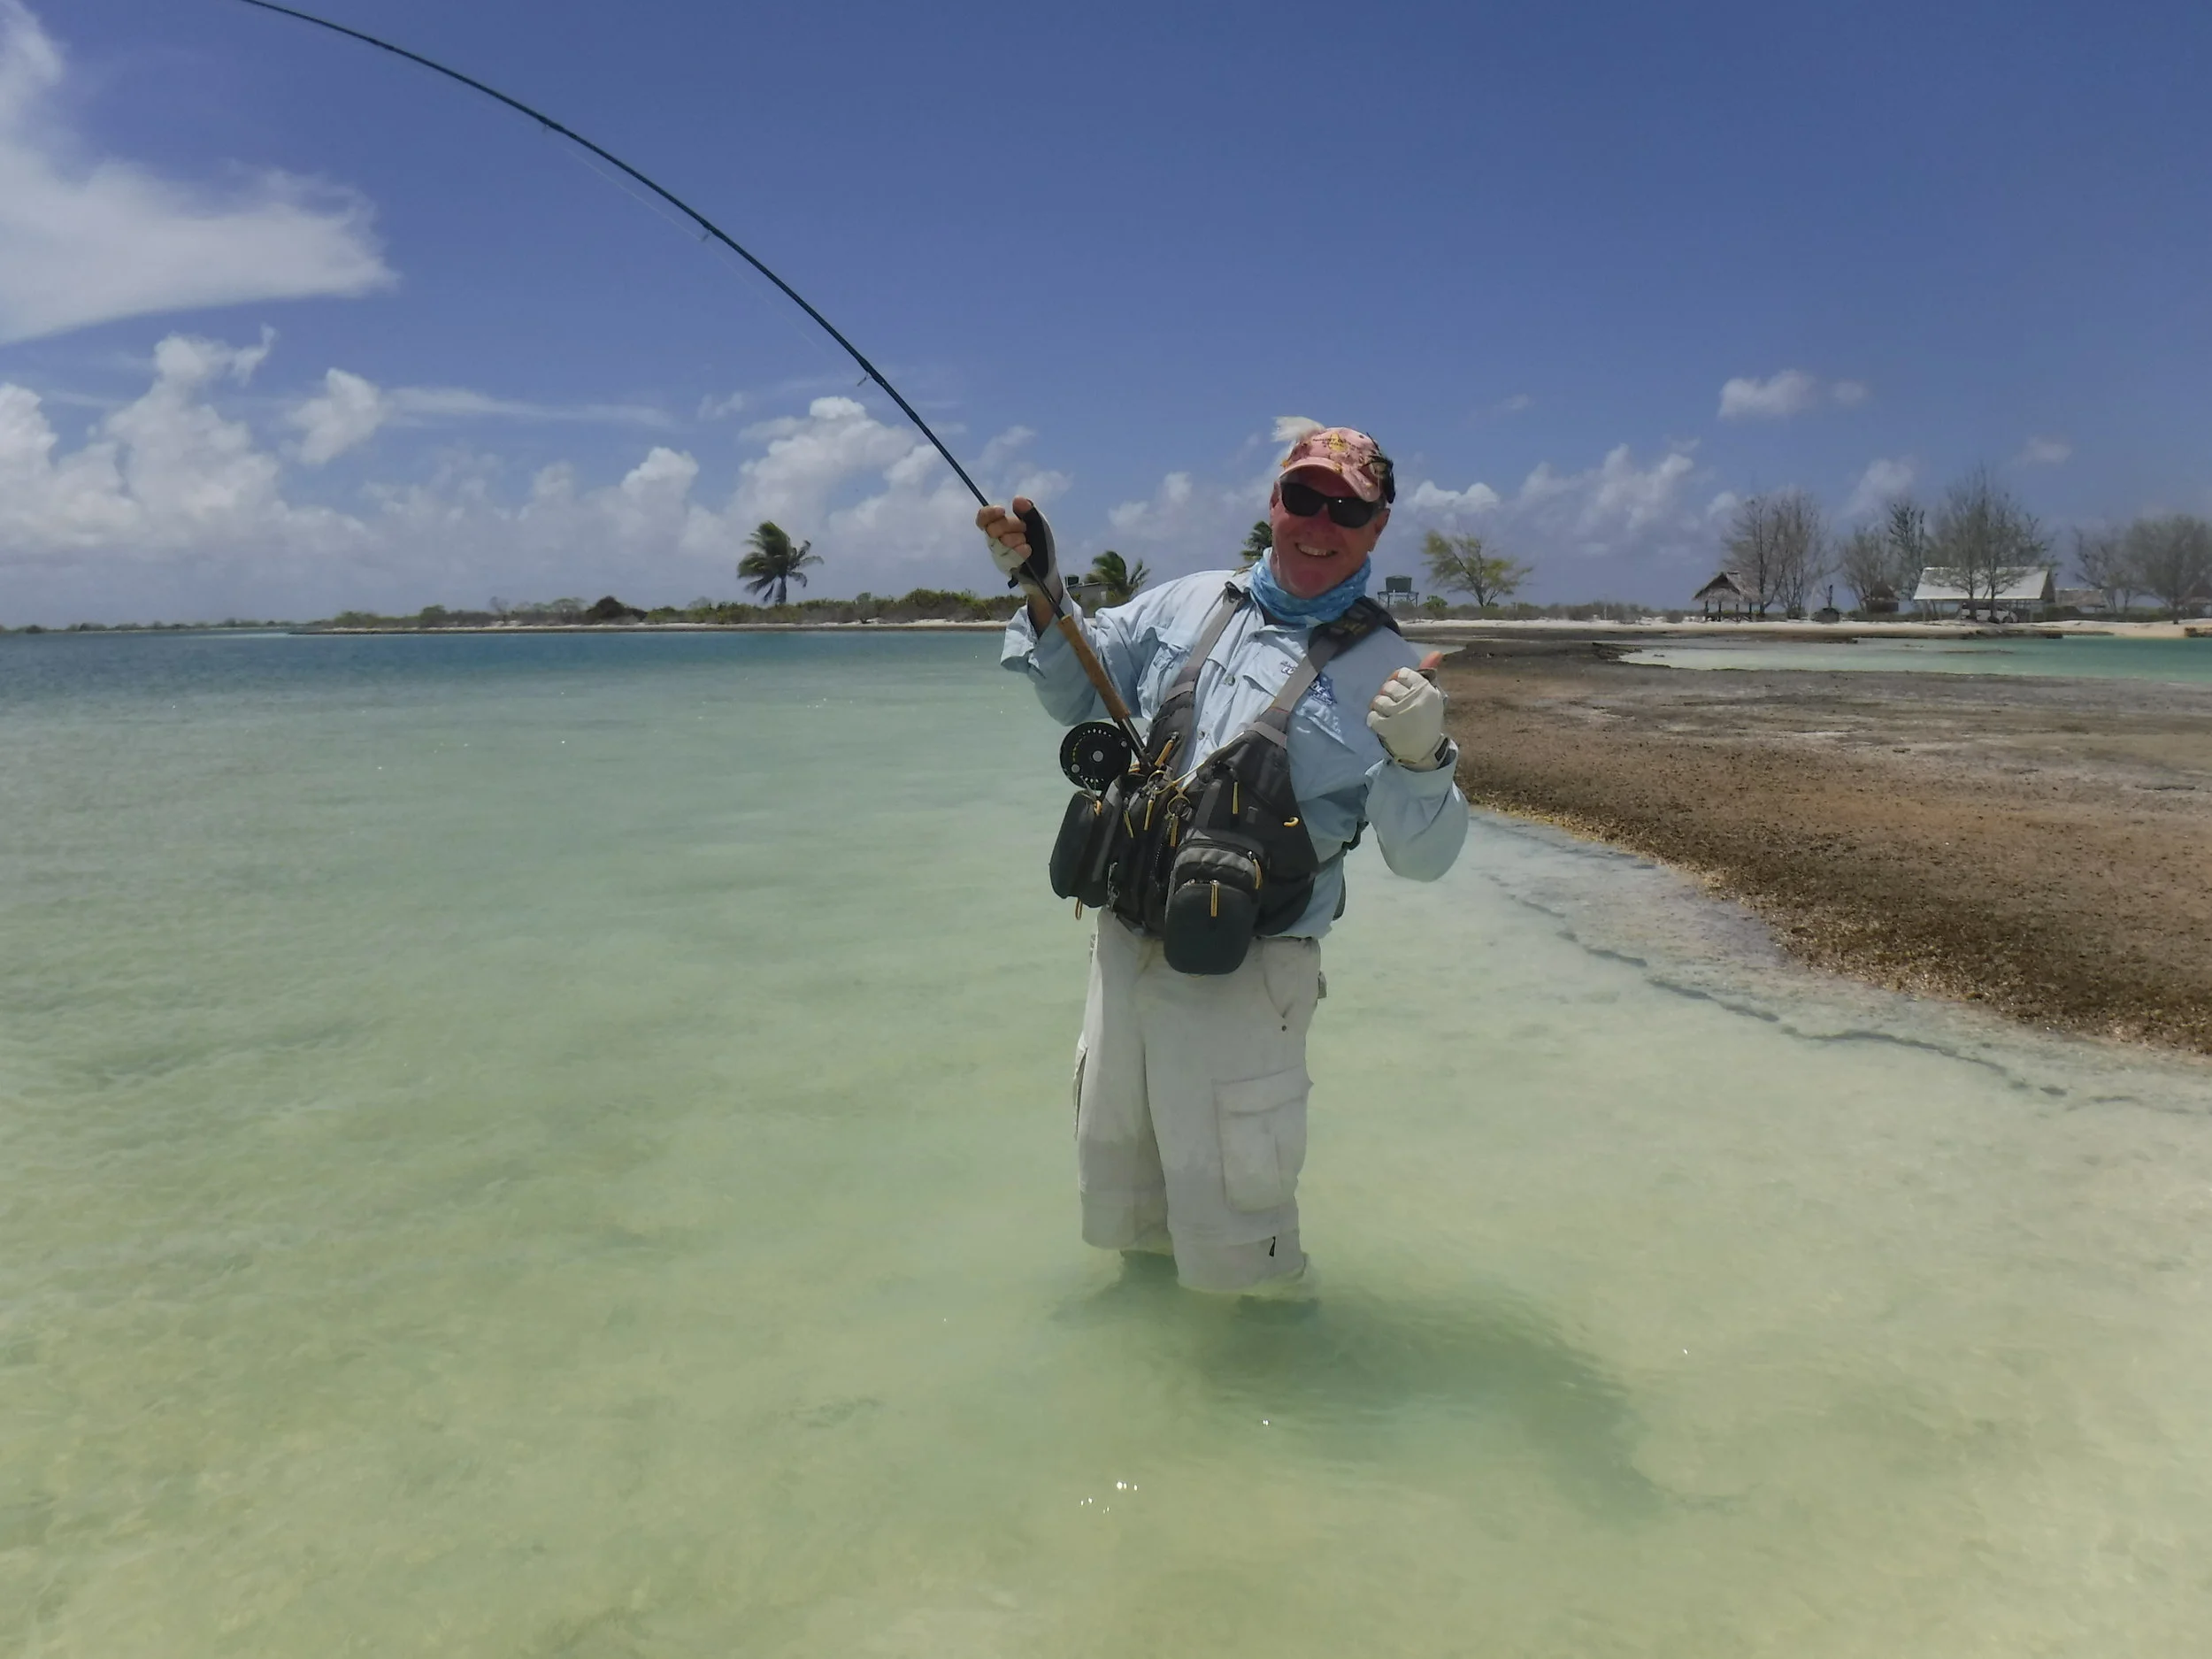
2088, 657
561, 1146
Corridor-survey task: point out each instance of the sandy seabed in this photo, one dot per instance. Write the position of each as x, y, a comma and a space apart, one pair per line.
561, 1146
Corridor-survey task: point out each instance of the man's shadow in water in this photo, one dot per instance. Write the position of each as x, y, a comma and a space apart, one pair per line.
1357, 1367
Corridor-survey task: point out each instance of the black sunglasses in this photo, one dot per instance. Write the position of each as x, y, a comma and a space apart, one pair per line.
1302, 501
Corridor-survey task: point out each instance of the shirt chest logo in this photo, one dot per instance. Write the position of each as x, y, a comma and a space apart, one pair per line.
1321, 691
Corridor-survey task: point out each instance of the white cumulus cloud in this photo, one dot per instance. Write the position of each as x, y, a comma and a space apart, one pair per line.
2044, 452
1636, 497
875, 494
87, 240
1004, 448
810, 457
1603, 506
166, 473
347, 413
1790, 392
1619, 507
1193, 520
172, 506
1431, 498
1884, 480
1192, 524
1776, 397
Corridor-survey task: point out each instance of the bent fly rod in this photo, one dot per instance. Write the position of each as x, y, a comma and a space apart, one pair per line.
1031, 581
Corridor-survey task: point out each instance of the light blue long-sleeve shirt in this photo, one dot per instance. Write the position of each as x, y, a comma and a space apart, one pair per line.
1340, 769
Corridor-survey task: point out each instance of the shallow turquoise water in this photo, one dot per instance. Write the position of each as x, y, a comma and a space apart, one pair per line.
531, 1146
2084, 656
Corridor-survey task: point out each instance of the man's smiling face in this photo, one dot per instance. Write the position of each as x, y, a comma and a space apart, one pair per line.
1313, 554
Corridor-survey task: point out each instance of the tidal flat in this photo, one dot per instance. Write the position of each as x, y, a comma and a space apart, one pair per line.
2023, 824
562, 1145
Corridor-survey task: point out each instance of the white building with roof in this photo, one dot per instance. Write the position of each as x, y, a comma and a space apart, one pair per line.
1940, 592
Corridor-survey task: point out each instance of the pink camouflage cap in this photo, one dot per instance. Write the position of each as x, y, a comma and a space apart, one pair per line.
1348, 454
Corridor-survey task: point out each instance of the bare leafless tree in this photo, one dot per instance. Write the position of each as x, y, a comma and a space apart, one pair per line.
1754, 546
2101, 560
1905, 528
1985, 541
1863, 562
1801, 551
2171, 559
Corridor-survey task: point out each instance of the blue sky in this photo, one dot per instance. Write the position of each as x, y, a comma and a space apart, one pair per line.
301, 327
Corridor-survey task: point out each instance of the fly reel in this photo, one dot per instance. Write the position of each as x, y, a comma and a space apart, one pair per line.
1096, 753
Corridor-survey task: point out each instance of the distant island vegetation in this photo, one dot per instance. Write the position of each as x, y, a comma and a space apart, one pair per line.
1982, 556
920, 605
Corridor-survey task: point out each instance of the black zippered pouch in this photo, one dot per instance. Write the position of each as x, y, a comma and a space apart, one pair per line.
1213, 905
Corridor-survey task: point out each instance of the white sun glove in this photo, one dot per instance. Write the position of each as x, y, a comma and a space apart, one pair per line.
1038, 556
1408, 715
1008, 559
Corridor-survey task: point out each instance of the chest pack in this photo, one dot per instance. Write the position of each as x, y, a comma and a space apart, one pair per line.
1206, 855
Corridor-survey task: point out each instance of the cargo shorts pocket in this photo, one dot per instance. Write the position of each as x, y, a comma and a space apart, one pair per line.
1291, 969
1262, 1137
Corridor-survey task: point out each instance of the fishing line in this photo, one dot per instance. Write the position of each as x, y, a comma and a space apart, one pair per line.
1031, 582
589, 165
707, 226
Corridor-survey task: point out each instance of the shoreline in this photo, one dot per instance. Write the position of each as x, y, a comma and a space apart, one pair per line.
2037, 846
677, 627
1448, 630
1601, 635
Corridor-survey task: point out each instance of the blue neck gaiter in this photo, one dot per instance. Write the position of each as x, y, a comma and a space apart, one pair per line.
1285, 606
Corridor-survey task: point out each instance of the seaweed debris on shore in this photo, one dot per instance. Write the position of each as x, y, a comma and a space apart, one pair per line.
2039, 846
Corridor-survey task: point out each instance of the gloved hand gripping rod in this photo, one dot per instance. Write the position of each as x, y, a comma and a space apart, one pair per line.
1031, 578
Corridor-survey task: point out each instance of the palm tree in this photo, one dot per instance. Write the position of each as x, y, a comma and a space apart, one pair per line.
1121, 581
1261, 538
774, 562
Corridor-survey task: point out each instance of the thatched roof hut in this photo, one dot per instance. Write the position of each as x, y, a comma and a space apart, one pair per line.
1727, 593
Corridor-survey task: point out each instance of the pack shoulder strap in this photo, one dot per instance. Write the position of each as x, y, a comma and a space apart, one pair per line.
1178, 711
1329, 641
1368, 615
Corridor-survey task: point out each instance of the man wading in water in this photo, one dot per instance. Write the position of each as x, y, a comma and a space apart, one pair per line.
1191, 1087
